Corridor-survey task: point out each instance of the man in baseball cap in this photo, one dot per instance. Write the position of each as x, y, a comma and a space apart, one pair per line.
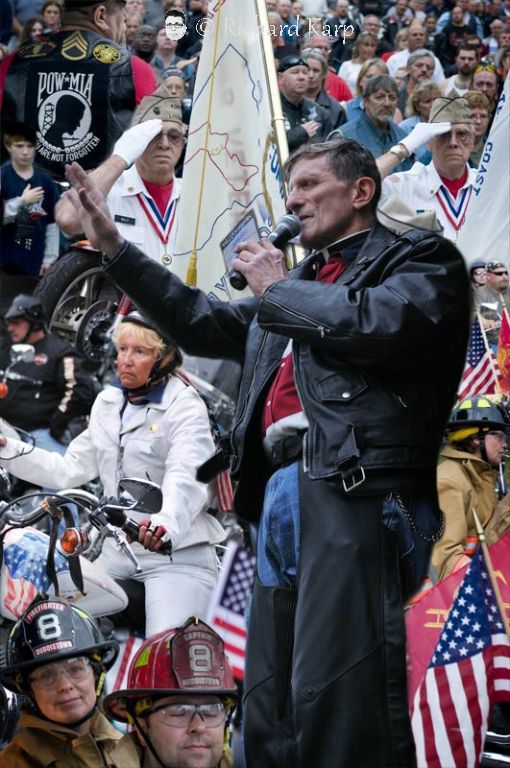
139, 178
444, 185
305, 120
493, 299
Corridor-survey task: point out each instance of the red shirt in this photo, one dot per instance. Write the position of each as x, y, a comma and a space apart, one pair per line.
282, 399
453, 185
160, 195
337, 88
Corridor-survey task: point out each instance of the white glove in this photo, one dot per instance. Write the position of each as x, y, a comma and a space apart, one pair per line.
135, 140
422, 133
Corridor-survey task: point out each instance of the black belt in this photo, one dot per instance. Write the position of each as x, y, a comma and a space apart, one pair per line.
286, 451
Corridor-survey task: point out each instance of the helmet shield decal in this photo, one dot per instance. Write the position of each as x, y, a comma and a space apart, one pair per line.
198, 658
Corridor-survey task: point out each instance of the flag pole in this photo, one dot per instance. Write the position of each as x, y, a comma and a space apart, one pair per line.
485, 551
272, 82
278, 120
489, 350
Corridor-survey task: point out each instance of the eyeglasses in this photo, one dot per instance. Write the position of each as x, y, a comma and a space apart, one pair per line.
75, 670
180, 715
498, 435
500, 274
139, 353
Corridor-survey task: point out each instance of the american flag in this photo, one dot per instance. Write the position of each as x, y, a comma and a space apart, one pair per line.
480, 372
468, 673
229, 602
23, 569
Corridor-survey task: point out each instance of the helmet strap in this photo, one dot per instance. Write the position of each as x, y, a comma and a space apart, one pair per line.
148, 742
100, 683
483, 450
75, 724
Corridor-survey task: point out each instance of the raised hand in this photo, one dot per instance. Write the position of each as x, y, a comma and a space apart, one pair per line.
90, 205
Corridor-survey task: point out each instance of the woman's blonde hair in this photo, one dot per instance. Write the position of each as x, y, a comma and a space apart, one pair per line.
146, 337
364, 69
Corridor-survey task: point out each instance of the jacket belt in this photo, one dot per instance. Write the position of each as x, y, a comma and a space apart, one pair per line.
286, 451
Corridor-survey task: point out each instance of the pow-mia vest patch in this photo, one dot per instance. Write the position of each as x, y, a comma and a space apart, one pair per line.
61, 95
33, 50
74, 48
106, 54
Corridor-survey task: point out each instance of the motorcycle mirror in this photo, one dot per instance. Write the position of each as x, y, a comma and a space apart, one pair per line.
22, 353
142, 494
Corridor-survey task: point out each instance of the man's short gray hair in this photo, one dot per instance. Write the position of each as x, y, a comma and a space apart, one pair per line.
380, 83
420, 54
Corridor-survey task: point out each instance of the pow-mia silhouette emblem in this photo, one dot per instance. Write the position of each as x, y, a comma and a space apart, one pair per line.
106, 54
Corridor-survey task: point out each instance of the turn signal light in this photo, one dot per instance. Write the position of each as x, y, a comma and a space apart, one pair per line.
74, 541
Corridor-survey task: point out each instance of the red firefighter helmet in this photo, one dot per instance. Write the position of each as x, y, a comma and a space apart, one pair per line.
187, 660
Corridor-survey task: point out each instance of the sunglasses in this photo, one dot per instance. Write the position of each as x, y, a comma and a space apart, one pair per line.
500, 274
485, 68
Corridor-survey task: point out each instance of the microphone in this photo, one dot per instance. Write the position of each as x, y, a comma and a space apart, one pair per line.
288, 227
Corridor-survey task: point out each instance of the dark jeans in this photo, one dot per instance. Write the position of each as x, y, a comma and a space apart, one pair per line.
325, 683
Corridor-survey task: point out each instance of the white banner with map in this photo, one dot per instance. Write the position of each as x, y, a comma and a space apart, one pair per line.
486, 230
232, 182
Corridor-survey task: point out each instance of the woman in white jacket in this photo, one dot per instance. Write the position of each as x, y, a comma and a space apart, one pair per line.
149, 424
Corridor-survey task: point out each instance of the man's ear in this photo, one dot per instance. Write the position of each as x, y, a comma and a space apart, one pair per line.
101, 18
363, 192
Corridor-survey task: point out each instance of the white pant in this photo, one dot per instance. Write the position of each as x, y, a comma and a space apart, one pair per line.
174, 589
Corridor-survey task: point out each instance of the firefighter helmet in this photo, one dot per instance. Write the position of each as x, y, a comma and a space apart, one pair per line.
187, 660
52, 629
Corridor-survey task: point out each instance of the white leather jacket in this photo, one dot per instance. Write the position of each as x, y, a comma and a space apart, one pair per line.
164, 441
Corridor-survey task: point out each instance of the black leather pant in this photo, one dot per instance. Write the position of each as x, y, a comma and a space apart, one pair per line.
339, 637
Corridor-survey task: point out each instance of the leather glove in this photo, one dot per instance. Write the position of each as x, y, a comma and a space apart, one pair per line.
157, 534
159, 531
422, 133
135, 140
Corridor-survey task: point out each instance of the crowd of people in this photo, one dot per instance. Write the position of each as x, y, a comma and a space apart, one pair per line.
341, 415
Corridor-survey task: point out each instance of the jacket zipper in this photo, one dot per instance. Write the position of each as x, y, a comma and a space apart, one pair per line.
306, 463
247, 396
322, 329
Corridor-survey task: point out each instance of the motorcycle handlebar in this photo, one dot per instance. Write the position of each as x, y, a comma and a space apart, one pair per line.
119, 518
70, 495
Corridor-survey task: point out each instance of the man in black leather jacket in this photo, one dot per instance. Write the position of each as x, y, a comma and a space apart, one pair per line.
350, 368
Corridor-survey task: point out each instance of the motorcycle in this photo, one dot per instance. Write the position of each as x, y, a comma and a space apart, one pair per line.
33, 562
70, 570
18, 353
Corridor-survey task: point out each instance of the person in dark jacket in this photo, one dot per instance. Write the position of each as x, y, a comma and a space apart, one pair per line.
304, 119
51, 390
350, 369
317, 73
77, 88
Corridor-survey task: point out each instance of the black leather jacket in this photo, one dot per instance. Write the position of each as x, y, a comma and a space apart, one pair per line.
377, 355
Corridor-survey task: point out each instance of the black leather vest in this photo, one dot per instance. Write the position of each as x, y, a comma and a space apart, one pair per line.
76, 90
